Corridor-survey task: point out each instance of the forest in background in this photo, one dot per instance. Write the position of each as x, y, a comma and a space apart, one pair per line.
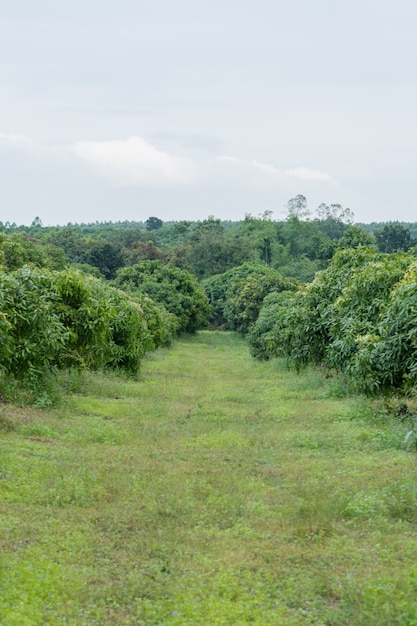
298, 245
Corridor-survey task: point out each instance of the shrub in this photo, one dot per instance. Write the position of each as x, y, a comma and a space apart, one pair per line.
387, 360
56, 320
82, 305
358, 315
237, 295
264, 337
357, 311
32, 334
176, 289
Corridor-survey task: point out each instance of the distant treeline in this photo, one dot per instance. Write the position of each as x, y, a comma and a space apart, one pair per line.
298, 246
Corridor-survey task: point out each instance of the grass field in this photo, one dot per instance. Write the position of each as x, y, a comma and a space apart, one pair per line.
215, 490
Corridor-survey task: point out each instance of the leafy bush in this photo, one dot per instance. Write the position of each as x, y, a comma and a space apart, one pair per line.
312, 320
301, 332
17, 250
264, 337
237, 295
246, 294
56, 320
161, 324
137, 326
303, 269
358, 309
358, 316
32, 334
84, 308
108, 327
176, 289
216, 291
129, 337
387, 359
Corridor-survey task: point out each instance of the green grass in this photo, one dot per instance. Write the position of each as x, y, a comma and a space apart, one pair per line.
215, 490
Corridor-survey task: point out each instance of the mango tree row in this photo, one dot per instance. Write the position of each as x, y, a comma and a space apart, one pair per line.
52, 320
359, 316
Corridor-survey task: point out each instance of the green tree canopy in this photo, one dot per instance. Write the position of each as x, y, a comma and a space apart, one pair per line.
237, 295
176, 289
153, 223
212, 249
393, 237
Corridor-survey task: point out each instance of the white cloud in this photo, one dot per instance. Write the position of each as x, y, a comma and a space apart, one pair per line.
13, 140
135, 162
303, 173
266, 175
244, 173
253, 166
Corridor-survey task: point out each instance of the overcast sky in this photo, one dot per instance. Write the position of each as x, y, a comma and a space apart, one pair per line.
180, 109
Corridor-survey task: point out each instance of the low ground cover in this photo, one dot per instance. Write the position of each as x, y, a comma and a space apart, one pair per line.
215, 490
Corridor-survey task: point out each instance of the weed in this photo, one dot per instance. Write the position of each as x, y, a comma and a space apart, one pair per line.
6, 424
44, 401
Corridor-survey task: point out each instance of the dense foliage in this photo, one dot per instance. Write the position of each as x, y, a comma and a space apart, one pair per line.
297, 246
237, 295
52, 320
18, 249
358, 317
312, 288
176, 289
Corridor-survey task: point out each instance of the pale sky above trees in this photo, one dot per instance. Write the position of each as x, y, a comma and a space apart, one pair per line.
188, 108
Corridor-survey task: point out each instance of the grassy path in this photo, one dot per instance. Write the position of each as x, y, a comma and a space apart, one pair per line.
213, 491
